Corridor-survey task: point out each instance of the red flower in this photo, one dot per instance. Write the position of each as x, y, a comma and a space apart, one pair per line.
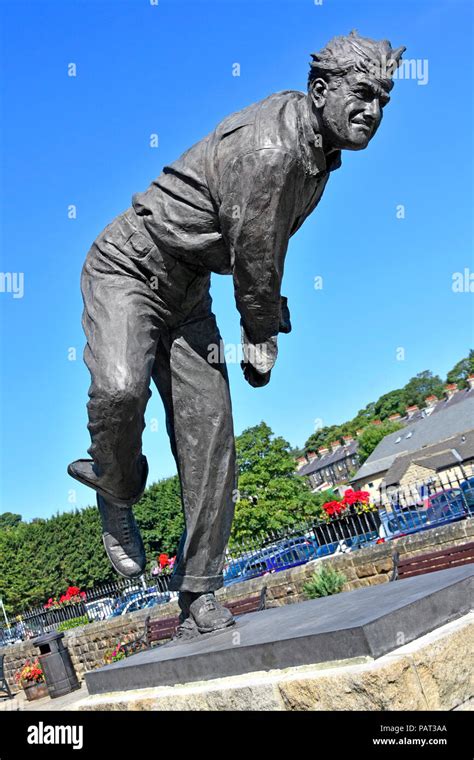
333, 507
355, 497
163, 559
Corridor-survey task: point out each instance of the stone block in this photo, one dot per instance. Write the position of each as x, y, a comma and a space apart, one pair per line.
363, 571
384, 565
390, 686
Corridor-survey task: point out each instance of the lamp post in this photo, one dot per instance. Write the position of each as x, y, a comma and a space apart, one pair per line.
4, 613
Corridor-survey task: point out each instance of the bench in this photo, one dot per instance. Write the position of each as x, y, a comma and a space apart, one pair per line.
3, 681
164, 629
452, 556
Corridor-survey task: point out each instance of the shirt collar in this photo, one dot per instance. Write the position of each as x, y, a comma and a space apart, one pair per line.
314, 158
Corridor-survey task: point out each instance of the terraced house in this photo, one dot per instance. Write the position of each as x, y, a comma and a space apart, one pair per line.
330, 465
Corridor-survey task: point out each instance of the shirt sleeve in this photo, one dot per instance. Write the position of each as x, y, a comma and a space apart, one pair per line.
258, 193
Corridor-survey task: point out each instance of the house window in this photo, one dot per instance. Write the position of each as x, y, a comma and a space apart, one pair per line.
371, 485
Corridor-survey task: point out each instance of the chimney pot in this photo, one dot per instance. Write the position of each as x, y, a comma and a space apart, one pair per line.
450, 389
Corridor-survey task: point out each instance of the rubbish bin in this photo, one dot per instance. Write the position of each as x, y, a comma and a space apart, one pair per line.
57, 666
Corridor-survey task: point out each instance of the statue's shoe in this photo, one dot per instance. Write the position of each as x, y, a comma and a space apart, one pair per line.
83, 471
209, 615
186, 630
122, 540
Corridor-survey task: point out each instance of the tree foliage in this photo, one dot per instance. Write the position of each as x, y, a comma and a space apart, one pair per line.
461, 371
370, 438
9, 520
272, 495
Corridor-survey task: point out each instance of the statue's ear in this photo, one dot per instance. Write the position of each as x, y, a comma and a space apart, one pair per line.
319, 90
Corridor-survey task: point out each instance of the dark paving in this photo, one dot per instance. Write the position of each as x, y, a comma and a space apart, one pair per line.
366, 622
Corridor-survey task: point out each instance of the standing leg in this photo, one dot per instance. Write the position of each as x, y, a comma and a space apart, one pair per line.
195, 392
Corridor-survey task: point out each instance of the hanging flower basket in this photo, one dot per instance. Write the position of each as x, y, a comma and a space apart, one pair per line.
354, 515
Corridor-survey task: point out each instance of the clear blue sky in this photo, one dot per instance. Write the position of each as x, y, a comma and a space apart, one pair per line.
168, 70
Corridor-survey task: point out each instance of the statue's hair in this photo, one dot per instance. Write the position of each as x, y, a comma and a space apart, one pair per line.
353, 52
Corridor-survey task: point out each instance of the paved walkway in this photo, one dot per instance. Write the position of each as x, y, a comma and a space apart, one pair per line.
19, 702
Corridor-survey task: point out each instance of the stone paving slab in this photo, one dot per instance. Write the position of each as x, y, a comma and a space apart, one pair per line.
46, 704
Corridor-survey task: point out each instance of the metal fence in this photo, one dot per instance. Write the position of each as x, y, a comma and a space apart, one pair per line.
103, 601
423, 504
281, 549
403, 510
418, 506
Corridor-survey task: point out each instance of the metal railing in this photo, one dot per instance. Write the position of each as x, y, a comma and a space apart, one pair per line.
423, 504
302, 543
103, 601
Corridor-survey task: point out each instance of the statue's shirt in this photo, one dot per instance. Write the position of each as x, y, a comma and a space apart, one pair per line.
232, 201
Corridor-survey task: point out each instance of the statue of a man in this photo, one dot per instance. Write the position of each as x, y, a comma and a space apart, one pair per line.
229, 205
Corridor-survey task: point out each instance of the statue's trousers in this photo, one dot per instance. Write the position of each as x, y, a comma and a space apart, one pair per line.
148, 316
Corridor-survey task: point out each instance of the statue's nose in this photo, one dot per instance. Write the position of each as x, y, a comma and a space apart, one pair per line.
372, 110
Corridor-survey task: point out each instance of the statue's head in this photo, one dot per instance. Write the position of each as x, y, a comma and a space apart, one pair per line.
349, 84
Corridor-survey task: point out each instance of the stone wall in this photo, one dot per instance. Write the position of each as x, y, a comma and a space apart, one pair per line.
366, 567
416, 474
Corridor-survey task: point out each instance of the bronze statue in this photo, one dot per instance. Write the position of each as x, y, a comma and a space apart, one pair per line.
228, 205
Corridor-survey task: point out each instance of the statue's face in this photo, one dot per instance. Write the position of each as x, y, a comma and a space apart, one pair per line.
352, 111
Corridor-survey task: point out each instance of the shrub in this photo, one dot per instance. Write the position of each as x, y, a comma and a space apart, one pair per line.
324, 582
72, 623
129, 645
114, 655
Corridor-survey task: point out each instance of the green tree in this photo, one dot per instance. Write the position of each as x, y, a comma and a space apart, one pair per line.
324, 437
370, 438
390, 403
160, 517
9, 520
271, 494
422, 385
461, 371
